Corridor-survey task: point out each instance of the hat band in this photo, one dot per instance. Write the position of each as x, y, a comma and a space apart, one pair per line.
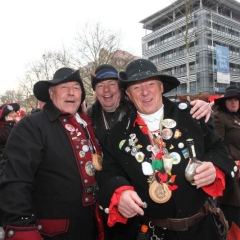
106, 73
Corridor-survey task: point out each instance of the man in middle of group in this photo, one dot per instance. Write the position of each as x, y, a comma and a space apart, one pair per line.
109, 108
112, 103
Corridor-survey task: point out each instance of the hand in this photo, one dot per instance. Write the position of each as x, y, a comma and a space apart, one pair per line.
205, 174
200, 109
130, 204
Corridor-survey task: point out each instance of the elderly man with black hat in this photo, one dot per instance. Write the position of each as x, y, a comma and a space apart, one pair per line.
48, 189
227, 124
145, 158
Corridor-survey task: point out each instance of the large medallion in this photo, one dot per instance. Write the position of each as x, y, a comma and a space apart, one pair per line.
159, 192
97, 161
89, 168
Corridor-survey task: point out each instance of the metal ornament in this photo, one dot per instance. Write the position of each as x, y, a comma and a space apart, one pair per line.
166, 133
97, 161
139, 156
89, 168
169, 123
69, 127
159, 192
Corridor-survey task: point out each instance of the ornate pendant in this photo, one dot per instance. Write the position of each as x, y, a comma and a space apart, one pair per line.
159, 192
97, 161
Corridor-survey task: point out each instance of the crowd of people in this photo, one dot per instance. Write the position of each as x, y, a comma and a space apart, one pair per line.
102, 174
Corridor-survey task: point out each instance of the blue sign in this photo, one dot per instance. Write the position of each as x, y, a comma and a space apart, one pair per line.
223, 69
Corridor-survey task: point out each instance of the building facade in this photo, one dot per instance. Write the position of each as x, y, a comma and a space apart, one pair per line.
206, 23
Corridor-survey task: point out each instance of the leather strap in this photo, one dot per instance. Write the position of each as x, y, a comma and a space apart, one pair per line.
178, 224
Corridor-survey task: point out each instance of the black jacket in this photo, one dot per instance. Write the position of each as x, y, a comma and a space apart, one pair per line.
121, 168
45, 179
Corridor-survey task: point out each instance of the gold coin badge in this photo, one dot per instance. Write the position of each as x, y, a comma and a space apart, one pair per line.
159, 192
97, 162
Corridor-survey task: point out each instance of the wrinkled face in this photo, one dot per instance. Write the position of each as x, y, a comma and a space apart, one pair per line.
232, 104
108, 94
66, 96
146, 95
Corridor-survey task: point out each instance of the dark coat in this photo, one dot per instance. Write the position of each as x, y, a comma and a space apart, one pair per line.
121, 168
45, 181
5, 131
95, 113
228, 127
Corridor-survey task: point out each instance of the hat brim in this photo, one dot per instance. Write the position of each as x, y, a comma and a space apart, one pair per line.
220, 100
169, 82
41, 88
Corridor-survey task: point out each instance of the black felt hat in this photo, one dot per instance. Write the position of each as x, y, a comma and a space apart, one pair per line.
230, 93
62, 75
6, 108
103, 72
141, 69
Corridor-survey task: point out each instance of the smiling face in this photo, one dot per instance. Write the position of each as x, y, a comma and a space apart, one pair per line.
66, 96
108, 94
146, 95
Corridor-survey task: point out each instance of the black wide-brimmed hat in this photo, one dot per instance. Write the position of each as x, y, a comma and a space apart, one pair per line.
62, 75
141, 69
230, 93
103, 72
6, 108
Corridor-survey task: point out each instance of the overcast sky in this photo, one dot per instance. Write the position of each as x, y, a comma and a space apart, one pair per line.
31, 27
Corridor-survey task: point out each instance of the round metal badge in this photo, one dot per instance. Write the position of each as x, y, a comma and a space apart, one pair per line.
182, 106
166, 133
169, 123
89, 168
70, 127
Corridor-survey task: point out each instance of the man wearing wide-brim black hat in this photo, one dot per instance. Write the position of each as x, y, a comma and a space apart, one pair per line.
145, 158
48, 190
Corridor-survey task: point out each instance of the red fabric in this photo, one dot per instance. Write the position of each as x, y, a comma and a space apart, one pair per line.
23, 233
142, 124
216, 188
99, 223
53, 227
233, 232
114, 215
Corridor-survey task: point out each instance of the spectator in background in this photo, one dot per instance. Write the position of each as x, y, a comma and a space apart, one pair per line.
8, 119
227, 124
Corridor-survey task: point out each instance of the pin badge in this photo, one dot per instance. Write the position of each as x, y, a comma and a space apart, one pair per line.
182, 106
169, 123
82, 154
177, 134
70, 127
89, 168
176, 157
85, 148
181, 145
167, 133
139, 156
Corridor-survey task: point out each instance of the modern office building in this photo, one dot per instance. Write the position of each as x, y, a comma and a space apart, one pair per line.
211, 23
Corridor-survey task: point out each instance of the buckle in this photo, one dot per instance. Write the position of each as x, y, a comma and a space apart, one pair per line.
92, 189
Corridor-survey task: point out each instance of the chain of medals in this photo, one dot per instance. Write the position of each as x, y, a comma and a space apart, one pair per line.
161, 178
